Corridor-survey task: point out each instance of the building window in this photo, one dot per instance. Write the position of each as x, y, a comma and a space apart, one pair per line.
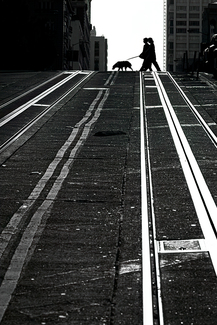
181, 8
49, 25
96, 49
181, 30
171, 45
194, 23
180, 46
75, 55
194, 8
194, 46
181, 23
194, 16
96, 64
194, 30
46, 5
181, 15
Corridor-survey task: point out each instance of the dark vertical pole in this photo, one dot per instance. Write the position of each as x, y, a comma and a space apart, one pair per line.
183, 62
187, 60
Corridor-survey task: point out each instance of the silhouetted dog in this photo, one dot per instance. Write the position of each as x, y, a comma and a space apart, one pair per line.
122, 64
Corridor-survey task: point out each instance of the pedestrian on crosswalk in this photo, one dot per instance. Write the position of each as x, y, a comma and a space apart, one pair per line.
145, 55
153, 54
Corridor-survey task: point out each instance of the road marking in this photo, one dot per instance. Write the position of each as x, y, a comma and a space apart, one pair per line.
13, 224
15, 268
32, 89
152, 216
36, 99
203, 202
114, 78
191, 125
154, 106
182, 246
109, 78
130, 266
43, 105
191, 87
95, 88
209, 132
146, 259
204, 105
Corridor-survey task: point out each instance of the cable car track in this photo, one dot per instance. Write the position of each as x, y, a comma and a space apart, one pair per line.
164, 133
200, 119
42, 98
199, 192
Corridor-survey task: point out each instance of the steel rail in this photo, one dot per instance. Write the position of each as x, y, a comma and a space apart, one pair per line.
31, 90
204, 204
206, 127
203, 76
146, 257
159, 306
34, 100
18, 134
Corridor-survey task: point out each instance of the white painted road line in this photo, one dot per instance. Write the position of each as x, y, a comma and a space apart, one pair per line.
16, 136
209, 132
34, 101
201, 196
109, 79
152, 213
32, 89
146, 259
13, 224
15, 268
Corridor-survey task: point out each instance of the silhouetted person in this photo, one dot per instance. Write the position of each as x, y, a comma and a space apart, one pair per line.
153, 54
145, 55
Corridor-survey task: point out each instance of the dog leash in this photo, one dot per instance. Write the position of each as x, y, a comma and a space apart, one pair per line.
133, 57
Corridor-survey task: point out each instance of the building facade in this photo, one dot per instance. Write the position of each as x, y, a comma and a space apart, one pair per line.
98, 52
209, 27
182, 31
81, 29
45, 34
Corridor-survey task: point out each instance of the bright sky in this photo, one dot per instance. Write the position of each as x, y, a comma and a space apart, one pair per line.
125, 24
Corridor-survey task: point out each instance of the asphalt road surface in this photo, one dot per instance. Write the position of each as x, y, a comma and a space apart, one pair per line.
108, 198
